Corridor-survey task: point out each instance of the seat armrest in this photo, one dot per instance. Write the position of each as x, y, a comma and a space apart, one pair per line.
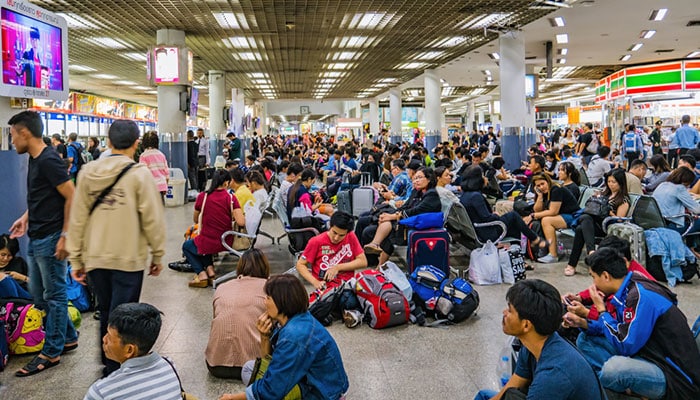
499, 224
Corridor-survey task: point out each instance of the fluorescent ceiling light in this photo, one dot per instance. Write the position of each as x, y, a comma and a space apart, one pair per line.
636, 47
430, 55
658, 15
239, 42
264, 86
388, 80
152, 92
483, 21
411, 65
449, 42
563, 52
81, 68
562, 38
343, 55
339, 65
126, 83
561, 60
329, 80
226, 20
693, 54
486, 72
557, 22
353, 41
647, 34
248, 56
332, 74
625, 57
76, 21
495, 56
107, 42
104, 76
257, 75
142, 87
370, 20
136, 56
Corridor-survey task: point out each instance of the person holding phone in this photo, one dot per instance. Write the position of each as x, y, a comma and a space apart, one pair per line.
303, 352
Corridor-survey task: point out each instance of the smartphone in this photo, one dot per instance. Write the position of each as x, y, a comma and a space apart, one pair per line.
567, 301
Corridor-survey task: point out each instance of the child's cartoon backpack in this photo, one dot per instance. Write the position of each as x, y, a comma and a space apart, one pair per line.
23, 326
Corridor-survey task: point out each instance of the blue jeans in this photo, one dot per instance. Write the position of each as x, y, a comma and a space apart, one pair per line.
112, 288
198, 262
619, 373
47, 284
485, 394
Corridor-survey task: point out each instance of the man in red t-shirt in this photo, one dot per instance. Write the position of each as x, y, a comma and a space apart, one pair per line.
578, 302
334, 255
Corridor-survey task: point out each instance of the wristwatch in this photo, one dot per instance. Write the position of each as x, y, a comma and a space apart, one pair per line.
64, 234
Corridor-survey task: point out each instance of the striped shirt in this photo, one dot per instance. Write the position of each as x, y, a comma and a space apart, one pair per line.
142, 378
158, 164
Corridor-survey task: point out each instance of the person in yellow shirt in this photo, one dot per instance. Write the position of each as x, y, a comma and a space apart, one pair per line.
240, 190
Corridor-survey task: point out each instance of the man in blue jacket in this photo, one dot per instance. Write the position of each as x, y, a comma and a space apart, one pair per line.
645, 347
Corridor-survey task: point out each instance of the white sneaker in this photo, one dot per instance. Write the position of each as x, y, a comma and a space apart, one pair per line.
352, 318
548, 259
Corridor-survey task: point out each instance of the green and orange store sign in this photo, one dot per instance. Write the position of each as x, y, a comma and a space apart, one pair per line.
648, 79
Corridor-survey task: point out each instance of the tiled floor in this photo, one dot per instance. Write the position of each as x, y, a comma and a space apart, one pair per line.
397, 363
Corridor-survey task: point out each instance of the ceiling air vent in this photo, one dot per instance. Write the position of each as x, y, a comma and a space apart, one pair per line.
693, 23
664, 51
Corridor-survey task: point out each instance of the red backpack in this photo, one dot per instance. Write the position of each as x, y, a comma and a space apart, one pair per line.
382, 303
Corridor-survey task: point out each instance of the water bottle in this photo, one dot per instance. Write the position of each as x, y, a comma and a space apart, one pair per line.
503, 370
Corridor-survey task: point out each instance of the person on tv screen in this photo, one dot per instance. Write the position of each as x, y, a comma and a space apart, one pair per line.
29, 65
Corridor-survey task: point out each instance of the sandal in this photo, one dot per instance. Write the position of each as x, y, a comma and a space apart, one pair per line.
569, 270
372, 248
198, 283
69, 347
35, 366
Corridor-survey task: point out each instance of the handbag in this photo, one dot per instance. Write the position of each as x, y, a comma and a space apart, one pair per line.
261, 365
597, 206
424, 221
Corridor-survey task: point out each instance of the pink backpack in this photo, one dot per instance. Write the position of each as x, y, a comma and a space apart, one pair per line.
24, 327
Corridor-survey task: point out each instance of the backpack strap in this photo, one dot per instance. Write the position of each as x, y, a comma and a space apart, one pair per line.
101, 197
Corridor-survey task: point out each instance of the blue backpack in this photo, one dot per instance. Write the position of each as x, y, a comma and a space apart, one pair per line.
631, 142
77, 293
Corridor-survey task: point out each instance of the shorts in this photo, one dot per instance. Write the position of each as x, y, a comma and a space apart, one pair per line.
569, 219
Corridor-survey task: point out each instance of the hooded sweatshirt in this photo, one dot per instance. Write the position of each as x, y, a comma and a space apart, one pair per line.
121, 230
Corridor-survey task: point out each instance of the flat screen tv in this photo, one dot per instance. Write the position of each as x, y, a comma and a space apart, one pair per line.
34, 52
194, 102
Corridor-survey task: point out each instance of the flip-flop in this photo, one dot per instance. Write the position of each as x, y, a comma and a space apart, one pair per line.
69, 347
372, 249
33, 367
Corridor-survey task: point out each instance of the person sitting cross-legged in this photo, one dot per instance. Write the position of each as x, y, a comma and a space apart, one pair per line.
548, 366
644, 346
132, 330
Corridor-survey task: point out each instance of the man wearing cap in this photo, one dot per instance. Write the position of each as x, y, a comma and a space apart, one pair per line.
116, 220
655, 138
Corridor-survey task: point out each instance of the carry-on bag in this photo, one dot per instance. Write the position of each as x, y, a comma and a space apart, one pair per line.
428, 247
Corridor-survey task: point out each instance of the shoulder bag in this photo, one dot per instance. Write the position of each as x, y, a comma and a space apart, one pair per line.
597, 207
101, 197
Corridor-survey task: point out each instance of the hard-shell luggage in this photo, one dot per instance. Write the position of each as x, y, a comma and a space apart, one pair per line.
428, 247
344, 201
363, 198
635, 235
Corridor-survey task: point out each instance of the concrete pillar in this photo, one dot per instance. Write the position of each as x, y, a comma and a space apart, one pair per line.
433, 109
513, 104
471, 117
13, 175
217, 103
373, 117
172, 123
395, 114
238, 113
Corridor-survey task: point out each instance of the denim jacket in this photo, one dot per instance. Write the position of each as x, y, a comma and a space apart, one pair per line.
304, 353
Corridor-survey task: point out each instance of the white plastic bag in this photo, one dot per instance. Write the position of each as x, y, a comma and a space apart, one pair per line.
506, 268
392, 272
484, 265
253, 216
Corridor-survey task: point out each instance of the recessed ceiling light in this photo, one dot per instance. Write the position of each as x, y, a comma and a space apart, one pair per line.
136, 56
430, 55
104, 76
658, 15
339, 66
562, 38
332, 74
248, 56
486, 72
563, 52
557, 22
226, 20
647, 34
142, 87
257, 75
352, 41
693, 54
636, 47
127, 83
561, 60
107, 42
411, 65
81, 68
495, 56
239, 42
625, 57
388, 80
343, 55
368, 20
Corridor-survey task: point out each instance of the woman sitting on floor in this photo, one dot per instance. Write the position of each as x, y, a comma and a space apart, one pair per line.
238, 303
589, 227
214, 211
303, 352
424, 199
556, 208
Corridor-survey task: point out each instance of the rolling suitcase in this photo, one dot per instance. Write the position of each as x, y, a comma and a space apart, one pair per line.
428, 247
363, 198
344, 201
635, 235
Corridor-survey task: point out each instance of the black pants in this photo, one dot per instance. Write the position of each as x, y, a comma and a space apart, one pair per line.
112, 288
631, 156
515, 226
672, 157
192, 176
225, 372
586, 231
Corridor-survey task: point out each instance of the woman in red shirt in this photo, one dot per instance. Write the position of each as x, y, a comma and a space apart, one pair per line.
214, 211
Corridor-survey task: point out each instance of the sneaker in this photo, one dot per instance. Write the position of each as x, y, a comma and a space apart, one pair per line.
352, 318
548, 259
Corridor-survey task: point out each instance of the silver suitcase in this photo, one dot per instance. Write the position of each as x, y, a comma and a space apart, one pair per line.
634, 234
362, 200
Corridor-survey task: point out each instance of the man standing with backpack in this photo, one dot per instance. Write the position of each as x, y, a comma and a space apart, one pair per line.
75, 155
632, 145
587, 145
49, 197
